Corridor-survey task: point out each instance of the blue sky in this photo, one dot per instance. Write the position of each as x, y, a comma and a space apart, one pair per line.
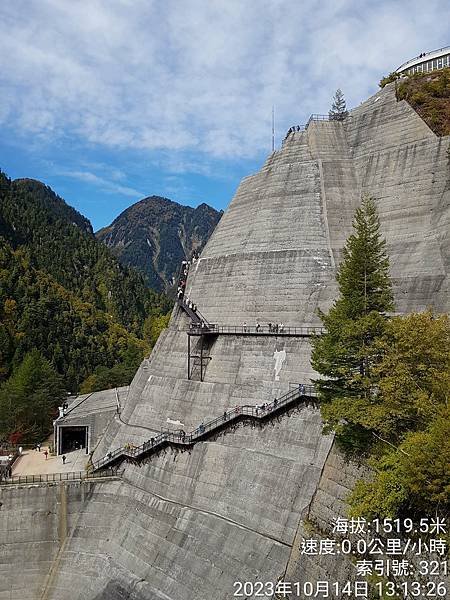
108, 101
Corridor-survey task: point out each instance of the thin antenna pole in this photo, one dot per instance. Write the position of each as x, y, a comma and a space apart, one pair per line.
273, 128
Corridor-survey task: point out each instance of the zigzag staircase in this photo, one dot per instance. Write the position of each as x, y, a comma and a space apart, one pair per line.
205, 430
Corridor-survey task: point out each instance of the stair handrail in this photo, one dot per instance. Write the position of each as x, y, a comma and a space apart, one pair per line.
183, 304
181, 437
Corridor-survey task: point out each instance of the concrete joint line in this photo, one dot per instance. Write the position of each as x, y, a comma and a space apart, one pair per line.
64, 537
294, 554
324, 212
256, 252
207, 512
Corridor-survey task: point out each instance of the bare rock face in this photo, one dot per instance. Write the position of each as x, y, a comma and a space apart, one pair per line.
186, 526
156, 234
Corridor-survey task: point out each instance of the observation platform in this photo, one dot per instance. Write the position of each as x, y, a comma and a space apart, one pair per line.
262, 330
206, 332
426, 62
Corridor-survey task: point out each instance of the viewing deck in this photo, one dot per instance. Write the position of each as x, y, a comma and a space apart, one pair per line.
275, 330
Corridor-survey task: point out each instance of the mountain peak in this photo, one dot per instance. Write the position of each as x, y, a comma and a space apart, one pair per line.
51, 206
155, 234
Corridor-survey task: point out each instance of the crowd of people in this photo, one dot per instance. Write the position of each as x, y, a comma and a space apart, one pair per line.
271, 327
292, 129
183, 275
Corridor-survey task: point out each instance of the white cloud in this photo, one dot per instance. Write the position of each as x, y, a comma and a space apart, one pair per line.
193, 76
104, 184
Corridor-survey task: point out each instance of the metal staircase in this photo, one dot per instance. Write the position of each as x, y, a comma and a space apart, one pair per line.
180, 438
193, 313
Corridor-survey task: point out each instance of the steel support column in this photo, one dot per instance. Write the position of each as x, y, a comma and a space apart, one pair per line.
201, 358
189, 357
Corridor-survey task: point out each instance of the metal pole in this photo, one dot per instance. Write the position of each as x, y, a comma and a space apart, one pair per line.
55, 439
273, 128
189, 357
201, 358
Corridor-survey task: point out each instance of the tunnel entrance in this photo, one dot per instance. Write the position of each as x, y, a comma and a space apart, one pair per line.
73, 438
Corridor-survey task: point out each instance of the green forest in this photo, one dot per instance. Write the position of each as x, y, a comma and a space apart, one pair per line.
385, 384
71, 317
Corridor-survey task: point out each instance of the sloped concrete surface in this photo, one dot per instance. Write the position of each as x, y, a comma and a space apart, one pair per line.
185, 526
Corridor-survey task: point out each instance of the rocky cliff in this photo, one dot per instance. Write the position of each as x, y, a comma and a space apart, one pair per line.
187, 526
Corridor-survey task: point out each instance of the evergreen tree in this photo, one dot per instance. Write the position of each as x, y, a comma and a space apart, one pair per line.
346, 353
29, 398
338, 111
410, 418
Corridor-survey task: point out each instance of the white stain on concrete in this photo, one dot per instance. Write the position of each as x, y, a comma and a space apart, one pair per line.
177, 423
197, 264
280, 357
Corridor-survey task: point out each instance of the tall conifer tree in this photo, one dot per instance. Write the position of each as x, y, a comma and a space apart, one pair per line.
29, 398
346, 353
338, 111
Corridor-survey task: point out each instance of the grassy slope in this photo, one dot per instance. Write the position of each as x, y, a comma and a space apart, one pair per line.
429, 95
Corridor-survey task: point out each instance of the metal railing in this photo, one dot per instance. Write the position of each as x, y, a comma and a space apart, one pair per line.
55, 477
180, 437
72, 407
316, 117
6, 449
434, 54
216, 329
192, 312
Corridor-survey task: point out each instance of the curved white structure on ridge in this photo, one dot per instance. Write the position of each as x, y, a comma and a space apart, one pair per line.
429, 61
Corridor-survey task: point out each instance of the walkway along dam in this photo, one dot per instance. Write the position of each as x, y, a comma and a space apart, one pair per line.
186, 525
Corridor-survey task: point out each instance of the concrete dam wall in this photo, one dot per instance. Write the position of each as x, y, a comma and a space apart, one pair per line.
186, 525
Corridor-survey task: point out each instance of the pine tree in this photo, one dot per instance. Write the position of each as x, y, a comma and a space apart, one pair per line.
346, 353
338, 110
29, 398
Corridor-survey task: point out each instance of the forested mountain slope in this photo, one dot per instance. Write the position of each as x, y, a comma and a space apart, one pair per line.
66, 302
36, 312
156, 234
60, 241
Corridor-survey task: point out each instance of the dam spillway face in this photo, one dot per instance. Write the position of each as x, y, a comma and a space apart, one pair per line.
186, 525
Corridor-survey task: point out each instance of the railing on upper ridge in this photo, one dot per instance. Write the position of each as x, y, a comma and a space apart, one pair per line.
426, 56
316, 117
180, 437
313, 117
